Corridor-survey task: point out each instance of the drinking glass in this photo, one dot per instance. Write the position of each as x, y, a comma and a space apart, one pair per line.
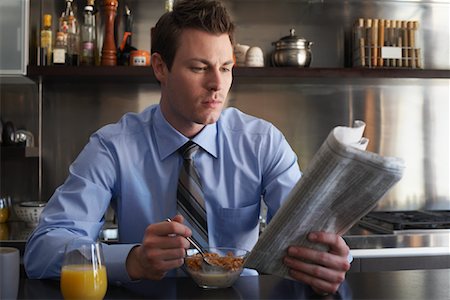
83, 273
4, 209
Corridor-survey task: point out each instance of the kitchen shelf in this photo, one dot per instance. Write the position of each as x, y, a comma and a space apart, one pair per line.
145, 74
14, 152
294, 72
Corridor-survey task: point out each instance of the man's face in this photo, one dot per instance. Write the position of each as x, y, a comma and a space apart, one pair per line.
195, 90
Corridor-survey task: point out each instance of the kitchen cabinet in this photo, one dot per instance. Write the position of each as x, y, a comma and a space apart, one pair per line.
13, 37
404, 108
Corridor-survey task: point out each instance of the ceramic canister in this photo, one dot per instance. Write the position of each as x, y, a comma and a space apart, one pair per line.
239, 53
254, 57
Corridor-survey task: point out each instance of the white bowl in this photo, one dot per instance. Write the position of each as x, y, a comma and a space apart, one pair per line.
232, 258
29, 212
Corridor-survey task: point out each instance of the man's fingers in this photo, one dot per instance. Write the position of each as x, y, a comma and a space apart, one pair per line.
326, 259
315, 282
165, 254
166, 242
335, 242
169, 228
178, 218
315, 270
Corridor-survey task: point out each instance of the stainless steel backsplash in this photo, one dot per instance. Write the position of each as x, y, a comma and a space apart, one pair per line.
405, 118
408, 118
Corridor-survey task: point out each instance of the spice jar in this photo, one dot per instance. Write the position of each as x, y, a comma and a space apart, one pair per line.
139, 58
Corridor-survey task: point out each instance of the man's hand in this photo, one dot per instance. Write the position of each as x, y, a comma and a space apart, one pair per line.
323, 271
163, 249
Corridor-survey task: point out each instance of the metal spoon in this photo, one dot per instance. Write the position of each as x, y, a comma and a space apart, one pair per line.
207, 266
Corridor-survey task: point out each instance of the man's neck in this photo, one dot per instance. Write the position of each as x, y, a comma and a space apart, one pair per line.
188, 130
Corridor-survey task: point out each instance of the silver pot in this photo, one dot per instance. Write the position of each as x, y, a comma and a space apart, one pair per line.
292, 51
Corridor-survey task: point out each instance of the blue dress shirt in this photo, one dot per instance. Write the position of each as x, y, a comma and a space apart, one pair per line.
134, 166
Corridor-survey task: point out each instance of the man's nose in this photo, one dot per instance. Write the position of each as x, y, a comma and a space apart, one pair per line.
215, 80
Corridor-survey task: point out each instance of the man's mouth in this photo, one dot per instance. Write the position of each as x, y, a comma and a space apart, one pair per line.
214, 100
212, 103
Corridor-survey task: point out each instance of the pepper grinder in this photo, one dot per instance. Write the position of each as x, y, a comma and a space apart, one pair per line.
109, 52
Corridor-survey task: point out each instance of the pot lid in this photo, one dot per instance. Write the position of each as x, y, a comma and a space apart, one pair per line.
291, 41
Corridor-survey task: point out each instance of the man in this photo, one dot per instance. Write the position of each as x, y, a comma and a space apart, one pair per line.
134, 165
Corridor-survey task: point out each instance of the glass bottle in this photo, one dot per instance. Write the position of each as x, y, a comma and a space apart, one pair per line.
60, 49
88, 37
46, 41
168, 5
68, 24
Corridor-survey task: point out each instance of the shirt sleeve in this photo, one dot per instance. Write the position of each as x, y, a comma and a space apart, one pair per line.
77, 209
281, 171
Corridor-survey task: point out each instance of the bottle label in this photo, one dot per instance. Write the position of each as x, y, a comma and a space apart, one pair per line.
139, 61
88, 46
46, 39
59, 56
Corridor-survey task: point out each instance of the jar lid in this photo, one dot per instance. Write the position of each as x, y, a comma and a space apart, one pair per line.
292, 42
140, 53
47, 20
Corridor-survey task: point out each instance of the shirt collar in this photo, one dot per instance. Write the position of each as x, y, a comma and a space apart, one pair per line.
169, 140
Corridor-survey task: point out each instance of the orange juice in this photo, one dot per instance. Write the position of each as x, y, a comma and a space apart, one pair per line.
4, 231
4, 214
82, 282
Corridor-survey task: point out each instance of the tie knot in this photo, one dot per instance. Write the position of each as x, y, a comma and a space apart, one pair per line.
188, 150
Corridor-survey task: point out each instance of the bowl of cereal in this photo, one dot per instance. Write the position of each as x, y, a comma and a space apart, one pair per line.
230, 263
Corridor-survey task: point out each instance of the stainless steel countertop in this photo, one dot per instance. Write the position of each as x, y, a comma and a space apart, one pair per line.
19, 231
360, 238
362, 242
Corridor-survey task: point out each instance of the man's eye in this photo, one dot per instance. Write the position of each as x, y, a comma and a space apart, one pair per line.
198, 69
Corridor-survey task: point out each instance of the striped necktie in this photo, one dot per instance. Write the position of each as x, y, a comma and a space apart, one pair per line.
190, 199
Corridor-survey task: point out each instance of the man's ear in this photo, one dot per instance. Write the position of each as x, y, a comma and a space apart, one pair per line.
159, 67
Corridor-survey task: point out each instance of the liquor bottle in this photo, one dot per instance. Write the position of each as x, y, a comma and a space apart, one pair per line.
46, 41
168, 5
68, 24
88, 36
60, 50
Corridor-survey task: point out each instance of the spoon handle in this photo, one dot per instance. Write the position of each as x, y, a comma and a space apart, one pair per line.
192, 242
196, 246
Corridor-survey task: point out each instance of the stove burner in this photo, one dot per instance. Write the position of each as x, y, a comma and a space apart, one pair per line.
388, 221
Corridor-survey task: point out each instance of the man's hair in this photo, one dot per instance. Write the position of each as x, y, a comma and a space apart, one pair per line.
206, 15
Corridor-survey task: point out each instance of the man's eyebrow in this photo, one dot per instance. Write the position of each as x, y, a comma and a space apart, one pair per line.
201, 60
229, 62
206, 62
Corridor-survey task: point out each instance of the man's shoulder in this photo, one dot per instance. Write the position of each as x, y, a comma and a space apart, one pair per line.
234, 120
131, 123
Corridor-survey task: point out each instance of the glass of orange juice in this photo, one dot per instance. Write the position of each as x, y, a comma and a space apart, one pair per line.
83, 273
4, 209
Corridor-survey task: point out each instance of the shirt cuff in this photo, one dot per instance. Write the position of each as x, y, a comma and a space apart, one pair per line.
349, 258
115, 256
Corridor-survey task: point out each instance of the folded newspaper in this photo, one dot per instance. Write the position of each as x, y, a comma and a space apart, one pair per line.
342, 183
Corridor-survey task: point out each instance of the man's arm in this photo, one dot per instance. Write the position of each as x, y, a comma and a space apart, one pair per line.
76, 209
323, 271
